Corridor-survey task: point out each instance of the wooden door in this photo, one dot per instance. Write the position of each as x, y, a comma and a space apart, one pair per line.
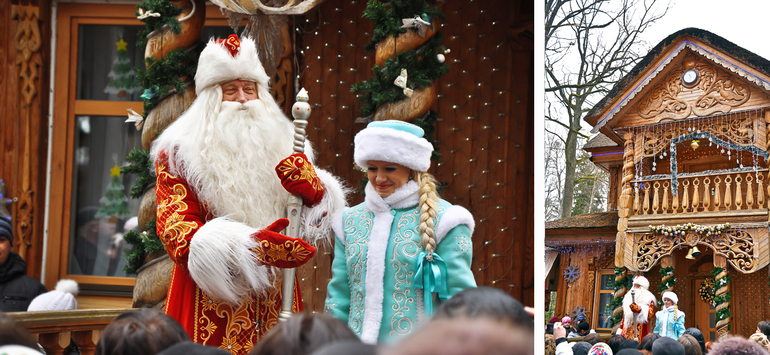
703, 315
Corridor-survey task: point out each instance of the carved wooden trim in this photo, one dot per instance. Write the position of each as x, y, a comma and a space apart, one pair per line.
717, 91
27, 41
736, 245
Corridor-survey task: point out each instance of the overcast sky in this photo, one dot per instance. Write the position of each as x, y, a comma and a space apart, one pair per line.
743, 22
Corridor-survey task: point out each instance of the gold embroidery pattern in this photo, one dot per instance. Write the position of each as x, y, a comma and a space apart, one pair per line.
207, 327
358, 226
289, 251
298, 169
175, 228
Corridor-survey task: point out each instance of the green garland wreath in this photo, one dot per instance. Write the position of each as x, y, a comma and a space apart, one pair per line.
166, 74
168, 13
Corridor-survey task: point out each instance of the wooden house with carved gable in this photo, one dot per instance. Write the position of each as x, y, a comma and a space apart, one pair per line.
684, 137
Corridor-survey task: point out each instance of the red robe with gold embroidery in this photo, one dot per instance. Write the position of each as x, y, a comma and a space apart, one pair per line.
233, 327
642, 329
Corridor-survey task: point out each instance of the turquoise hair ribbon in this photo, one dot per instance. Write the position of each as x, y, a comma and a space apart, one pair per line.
431, 276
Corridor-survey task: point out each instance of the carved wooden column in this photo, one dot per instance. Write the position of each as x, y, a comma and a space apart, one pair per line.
87, 340
54, 343
27, 41
723, 325
624, 206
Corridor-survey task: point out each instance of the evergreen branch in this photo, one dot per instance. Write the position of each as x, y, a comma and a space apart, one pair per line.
168, 13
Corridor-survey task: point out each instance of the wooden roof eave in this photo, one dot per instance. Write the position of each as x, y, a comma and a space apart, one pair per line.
606, 119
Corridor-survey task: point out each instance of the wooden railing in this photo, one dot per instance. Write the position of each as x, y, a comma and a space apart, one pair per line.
54, 329
702, 193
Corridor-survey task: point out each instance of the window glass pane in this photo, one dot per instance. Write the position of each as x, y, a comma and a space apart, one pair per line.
107, 56
604, 314
102, 210
608, 282
712, 320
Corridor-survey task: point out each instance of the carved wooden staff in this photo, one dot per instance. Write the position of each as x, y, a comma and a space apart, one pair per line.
300, 111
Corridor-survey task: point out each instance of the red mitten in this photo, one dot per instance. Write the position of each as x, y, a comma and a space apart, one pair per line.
299, 178
280, 250
635, 308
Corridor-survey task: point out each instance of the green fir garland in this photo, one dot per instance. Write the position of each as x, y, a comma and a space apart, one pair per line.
387, 17
667, 283
618, 284
168, 13
144, 243
422, 67
139, 163
719, 283
167, 74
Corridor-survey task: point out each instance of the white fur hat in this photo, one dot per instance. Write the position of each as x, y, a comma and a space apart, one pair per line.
642, 281
672, 296
218, 64
394, 142
60, 299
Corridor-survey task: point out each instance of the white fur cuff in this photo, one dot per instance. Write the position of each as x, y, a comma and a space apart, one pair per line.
222, 262
453, 217
317, 220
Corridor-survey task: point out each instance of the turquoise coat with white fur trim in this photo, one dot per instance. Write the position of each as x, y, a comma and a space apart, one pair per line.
375, 259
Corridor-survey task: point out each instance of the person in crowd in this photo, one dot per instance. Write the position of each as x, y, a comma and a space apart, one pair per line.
593, 338
629, 344
560, 340
477, 336
347, 347
667, 346
13, 334
691, 345
581, 348
484, 301
143, 331
669, 321
583, 329
550, 345
764, 328
62, 298
638, 304
736, 346
614, 342
402, 243
190, 348
629, 352
696, 333
600, 349
760, 339
19, 350
303, 333
566, 322
648, 341
221, 205
16, 288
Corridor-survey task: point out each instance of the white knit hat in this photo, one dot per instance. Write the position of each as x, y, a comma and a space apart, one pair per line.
394, 142
60, 299
672, 296
641, 281
225, 60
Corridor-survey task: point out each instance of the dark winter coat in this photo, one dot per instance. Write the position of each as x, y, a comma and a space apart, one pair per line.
16, 288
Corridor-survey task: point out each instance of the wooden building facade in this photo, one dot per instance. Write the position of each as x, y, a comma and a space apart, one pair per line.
684, 137
63, 127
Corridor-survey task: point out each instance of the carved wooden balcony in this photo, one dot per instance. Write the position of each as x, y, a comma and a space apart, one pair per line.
716, 198
54, 329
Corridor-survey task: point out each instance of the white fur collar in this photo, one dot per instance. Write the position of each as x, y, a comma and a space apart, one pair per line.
405, 196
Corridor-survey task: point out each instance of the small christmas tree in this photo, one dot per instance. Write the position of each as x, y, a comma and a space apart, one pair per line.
114, 201
122, 76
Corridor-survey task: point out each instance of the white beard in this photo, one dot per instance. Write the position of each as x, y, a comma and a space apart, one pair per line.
230, 159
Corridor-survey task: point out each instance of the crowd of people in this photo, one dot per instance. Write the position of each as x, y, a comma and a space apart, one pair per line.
482, 320
669, 337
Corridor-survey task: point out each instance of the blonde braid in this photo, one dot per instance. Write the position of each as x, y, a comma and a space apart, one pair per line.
428, 210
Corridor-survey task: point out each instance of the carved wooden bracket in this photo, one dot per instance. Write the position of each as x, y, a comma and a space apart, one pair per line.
738, 246
27, 41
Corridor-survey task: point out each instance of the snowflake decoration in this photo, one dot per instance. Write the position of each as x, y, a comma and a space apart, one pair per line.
572, 273
579, 313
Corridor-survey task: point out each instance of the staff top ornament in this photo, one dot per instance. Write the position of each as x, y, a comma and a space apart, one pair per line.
301, 109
